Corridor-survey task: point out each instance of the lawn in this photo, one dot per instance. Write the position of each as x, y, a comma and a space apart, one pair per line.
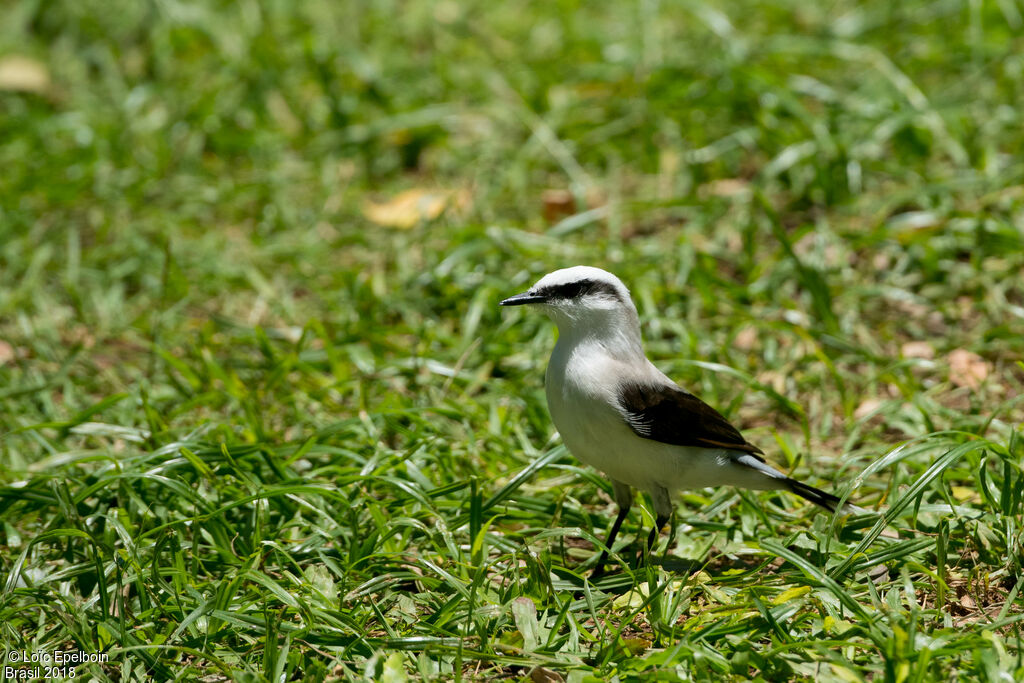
262, 419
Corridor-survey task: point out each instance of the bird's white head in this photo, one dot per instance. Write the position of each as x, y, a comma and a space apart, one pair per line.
584, 301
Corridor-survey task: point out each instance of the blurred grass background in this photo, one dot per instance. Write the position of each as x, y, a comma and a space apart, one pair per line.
261, 418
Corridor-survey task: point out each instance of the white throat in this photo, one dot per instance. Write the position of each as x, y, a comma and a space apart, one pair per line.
616, 330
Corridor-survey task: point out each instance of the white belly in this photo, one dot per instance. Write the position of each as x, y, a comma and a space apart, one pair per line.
581, 398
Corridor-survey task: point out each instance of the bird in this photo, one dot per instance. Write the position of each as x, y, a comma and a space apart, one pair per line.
618, 413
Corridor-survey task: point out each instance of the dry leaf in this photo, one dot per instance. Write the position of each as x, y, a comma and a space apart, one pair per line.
967, 369
407, 209
790, 594
542, 675
867, 406
773, 379
964, 493
636, 645
557, 204
726, 187
23, 74
6, 352
746, 339
524, 613
918, 349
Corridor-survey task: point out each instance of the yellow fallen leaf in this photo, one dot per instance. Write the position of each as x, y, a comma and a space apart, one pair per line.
633, 598
23, 74
407, 209
636, 646
963, 493
787, 595
833, 625
845, 674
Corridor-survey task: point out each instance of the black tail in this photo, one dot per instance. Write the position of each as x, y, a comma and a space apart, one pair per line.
816, 496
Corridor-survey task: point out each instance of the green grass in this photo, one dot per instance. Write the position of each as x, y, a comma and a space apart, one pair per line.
246, 433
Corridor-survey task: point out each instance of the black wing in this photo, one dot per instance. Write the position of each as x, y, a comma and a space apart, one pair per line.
668, 414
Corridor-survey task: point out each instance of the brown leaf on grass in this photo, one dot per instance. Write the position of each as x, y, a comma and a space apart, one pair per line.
866, 407
407, 209
725, 187
746, 339
967, 369
918, 349
24, 74
542, 675
773, 379
7, 353
557, 204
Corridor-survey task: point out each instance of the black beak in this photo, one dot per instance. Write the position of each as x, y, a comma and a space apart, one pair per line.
523, 299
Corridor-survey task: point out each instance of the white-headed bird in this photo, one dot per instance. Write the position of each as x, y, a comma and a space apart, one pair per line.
620, 414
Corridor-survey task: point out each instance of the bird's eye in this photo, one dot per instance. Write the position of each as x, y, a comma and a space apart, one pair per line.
581, 288
570, 290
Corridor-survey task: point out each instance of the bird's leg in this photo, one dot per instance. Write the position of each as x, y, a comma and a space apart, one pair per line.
662, 513
671, 530
624, 499
659, 524
599, 567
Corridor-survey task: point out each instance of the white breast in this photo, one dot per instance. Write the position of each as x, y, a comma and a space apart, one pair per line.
581, 382
581, 386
